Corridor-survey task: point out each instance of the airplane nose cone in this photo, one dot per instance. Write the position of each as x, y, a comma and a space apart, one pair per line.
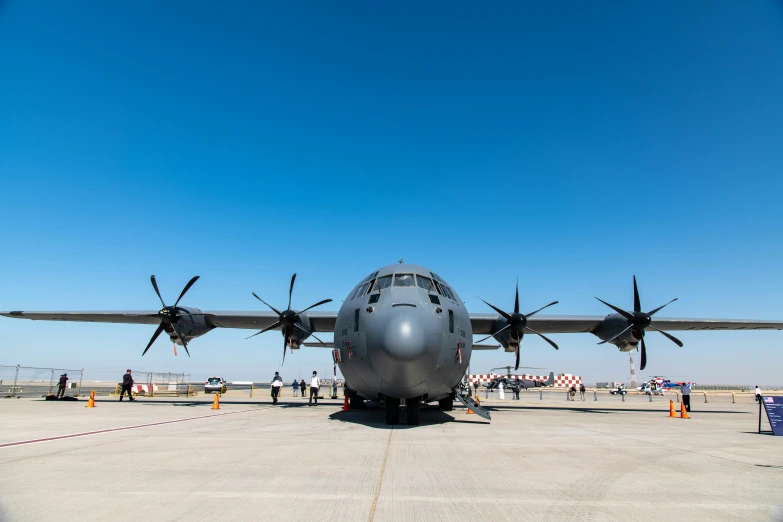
403, 338
400, 350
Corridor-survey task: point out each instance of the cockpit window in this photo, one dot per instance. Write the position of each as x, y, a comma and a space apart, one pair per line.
360, 291
404, 280
448, 292
382, 282
424, 282
436, 277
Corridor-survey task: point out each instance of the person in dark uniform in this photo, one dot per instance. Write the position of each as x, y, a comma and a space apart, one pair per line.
303, 387
127, 382
61, 385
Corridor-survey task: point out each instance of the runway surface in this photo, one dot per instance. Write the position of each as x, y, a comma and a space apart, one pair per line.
165, 459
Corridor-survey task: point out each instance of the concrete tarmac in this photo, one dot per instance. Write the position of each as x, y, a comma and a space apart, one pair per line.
169, 459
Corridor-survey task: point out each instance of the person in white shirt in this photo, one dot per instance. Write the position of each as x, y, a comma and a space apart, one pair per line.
315, 383
277, 383
501, 393
686, 396
758, 393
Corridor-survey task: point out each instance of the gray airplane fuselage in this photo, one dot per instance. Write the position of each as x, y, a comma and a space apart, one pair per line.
402, 337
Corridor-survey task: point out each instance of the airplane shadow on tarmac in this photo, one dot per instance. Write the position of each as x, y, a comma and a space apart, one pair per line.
375, 417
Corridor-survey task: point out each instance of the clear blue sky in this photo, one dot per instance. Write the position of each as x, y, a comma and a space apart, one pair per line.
570, 144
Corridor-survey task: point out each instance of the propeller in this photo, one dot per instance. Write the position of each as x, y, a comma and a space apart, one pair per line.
517, 324
169, 315
288, 320
638, 321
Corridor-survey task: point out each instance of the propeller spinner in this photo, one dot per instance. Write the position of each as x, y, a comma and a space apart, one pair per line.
517, 324
288, 320
638, 321
169, 315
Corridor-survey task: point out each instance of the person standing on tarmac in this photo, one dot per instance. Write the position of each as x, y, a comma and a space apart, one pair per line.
127, 382
582, 391
686, 396
315, 383
295, 386
758, 393
277, 383
302, 387
62, 385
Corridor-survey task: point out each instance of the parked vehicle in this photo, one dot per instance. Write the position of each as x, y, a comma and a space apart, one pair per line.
215, 384
618, 390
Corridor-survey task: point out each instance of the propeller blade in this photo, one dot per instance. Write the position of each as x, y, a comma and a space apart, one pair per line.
516, 299
291, 291
155, 286
494, 334
618, 310
618, 335
179, 334
547, 306
498, 310
660, 307
284, 347
668, 336
637, 304
184, 290
516, 366
271, 327
544, 337
316, 304
317, 339
154, 336
644, 356
275, 310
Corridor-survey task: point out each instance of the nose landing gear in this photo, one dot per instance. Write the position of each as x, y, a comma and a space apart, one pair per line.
411, 408
392, 410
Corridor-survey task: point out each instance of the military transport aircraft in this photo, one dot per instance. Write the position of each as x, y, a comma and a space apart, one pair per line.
403, 333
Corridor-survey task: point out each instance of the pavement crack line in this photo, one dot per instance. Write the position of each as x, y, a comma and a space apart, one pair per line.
380, 478
124, 428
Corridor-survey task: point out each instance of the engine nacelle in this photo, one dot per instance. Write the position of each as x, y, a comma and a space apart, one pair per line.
506, 340
191, 326
612, 325
296, 338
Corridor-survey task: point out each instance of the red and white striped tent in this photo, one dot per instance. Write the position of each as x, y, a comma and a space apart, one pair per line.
564, 380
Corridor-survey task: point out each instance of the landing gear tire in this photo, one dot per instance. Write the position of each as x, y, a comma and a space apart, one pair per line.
392, 411
446, 404
412, 407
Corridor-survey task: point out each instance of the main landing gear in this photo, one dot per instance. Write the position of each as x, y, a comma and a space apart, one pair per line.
392, 411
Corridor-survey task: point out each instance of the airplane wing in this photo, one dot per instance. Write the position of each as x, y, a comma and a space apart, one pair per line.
319, 321
552, 324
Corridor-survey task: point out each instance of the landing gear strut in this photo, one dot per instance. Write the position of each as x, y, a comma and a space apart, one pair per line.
392, 410
412, 407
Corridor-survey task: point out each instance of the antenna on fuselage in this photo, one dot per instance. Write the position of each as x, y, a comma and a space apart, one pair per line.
401, 261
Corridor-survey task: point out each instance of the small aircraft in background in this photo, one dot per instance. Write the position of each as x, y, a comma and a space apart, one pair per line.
516, 382
659, 385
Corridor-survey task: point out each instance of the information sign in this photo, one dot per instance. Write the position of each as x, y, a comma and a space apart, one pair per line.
774, 408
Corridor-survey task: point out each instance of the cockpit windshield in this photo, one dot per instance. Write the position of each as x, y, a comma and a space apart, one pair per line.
424, 282
382, 283
404, 280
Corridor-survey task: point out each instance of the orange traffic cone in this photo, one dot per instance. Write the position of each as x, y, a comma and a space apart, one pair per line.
346, 404
684, 412
672, 410
478, 403
216, 402
91, 400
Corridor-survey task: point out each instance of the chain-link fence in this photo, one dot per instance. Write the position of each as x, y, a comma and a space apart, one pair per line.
27, 381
